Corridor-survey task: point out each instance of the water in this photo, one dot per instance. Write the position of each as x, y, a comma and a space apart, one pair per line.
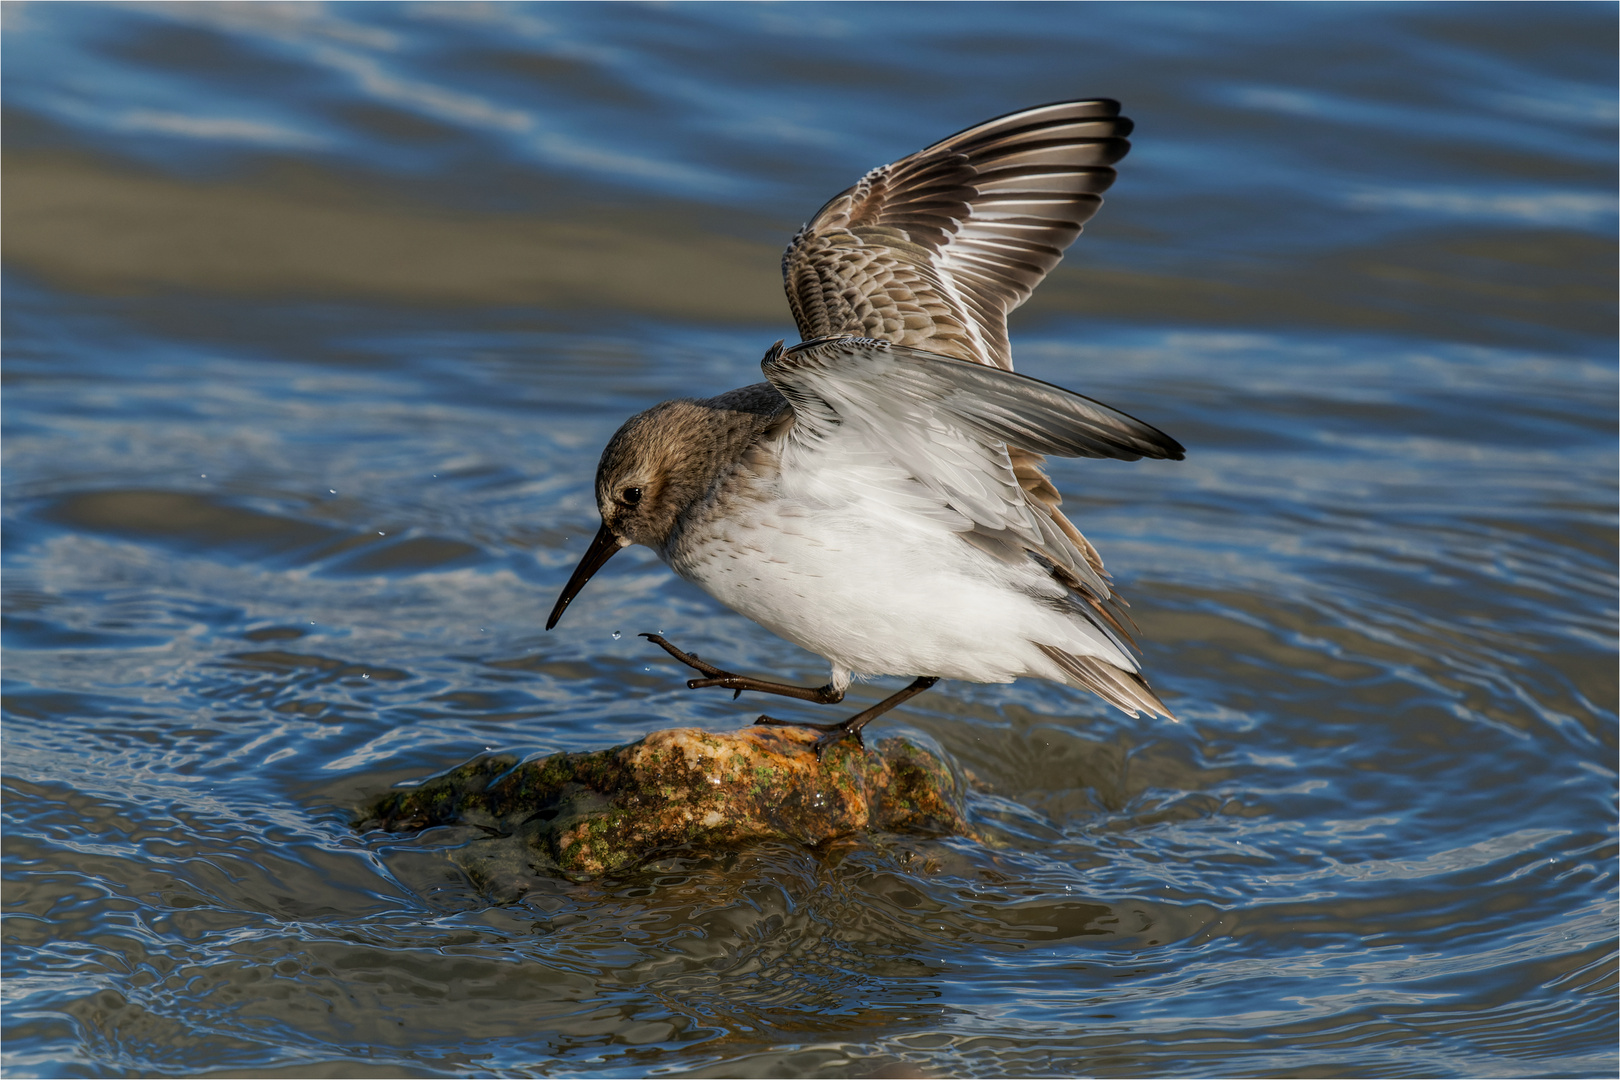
316, 318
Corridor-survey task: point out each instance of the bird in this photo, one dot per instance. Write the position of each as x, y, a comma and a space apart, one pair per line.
880, 499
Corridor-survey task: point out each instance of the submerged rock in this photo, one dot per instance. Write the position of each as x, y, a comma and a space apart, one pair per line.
592, 813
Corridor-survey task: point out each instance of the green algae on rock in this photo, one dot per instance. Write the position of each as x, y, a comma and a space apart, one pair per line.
592, 813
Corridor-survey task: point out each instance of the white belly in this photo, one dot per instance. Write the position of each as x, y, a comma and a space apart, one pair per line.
885, 593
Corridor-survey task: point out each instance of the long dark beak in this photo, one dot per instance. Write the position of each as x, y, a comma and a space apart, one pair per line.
603, 548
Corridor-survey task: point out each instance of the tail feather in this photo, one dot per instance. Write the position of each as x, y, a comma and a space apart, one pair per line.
1125, 690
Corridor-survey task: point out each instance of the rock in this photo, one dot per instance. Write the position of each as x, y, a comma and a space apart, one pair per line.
593, 813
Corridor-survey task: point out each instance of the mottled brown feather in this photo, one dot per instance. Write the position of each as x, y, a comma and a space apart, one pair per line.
935, 250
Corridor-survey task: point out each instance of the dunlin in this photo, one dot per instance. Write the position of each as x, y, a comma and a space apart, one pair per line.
879, 500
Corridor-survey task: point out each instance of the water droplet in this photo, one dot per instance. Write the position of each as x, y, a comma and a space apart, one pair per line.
616, 635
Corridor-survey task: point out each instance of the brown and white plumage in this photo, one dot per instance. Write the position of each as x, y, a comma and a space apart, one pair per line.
880, 500
935, 250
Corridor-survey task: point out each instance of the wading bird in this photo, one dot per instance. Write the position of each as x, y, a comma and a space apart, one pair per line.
879, 499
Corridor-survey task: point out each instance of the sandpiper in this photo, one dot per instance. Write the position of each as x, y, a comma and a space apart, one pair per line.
879, 500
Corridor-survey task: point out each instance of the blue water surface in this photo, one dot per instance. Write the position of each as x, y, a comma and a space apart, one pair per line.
316, 318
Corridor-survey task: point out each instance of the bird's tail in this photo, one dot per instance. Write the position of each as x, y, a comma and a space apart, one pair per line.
1122, 689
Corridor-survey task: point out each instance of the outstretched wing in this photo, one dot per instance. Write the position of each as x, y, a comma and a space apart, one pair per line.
934, 250
947, 423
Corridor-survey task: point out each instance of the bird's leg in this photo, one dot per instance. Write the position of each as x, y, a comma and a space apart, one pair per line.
822, 695
834, 732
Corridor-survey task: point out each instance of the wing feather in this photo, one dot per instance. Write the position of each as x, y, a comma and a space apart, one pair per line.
1122, 689
934, 250
932, 253
948, 424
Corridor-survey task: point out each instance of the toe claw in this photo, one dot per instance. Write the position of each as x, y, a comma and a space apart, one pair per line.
836, 735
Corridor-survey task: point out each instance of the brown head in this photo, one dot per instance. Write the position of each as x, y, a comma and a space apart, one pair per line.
655, 466
660, 463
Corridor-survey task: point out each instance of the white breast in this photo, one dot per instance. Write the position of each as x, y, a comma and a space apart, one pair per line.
855, 574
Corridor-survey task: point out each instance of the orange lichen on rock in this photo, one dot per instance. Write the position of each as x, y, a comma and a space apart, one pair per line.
592, 813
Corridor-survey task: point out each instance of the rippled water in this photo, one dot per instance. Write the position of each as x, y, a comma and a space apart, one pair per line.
316, 318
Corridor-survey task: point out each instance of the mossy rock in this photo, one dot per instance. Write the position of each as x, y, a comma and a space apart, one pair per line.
594, 813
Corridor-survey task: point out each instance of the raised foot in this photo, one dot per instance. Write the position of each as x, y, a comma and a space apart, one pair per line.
716, 676
825, 695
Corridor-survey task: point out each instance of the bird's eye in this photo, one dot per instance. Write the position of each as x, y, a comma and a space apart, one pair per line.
631, 496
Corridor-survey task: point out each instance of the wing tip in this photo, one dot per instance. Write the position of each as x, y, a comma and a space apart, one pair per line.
1127, 691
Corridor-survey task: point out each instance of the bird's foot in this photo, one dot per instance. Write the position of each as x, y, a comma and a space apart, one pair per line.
830, 733
715, 676
833, 733
825, 695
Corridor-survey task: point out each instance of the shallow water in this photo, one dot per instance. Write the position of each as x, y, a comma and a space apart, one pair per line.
316, 319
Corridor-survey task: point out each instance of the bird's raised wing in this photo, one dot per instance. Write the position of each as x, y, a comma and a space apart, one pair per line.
947, 424
934, 250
